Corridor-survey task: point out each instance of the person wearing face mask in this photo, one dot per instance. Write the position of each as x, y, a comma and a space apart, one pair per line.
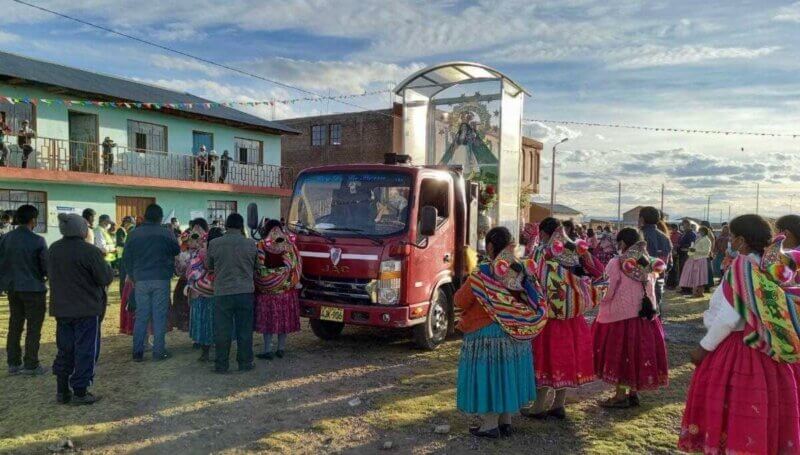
571, 278
744, 397
501, 310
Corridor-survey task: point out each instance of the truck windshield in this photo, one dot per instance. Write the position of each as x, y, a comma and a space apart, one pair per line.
351, 203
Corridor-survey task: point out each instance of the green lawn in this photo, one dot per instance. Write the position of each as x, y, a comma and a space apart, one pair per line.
300, 404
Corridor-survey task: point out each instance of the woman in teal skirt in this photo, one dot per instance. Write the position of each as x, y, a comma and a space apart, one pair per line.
200, 290
500, 313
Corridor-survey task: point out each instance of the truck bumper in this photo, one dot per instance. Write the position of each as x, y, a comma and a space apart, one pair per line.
370, 315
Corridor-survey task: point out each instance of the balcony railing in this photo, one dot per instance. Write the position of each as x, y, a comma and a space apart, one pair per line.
63, 155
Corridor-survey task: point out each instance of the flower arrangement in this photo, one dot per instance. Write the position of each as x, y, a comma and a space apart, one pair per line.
488, 196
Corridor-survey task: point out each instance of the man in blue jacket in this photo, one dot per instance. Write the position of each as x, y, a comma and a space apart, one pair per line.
23, 270
149, 260
658, 244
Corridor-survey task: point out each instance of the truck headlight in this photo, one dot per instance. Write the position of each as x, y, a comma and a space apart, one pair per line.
389, 282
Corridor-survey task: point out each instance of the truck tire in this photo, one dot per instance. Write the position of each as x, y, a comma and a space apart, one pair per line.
326, 330
430, 334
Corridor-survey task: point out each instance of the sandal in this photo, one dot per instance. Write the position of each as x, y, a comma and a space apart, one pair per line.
616, 403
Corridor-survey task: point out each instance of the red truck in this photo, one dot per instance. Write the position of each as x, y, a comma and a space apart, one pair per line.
382, 245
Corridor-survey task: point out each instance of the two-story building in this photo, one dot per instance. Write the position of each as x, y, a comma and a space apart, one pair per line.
154, 153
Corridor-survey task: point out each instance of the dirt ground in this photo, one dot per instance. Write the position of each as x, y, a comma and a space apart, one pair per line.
305, 403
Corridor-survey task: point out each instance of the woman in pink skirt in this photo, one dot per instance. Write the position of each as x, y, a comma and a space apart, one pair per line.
277, 303
563, 351
629, 348
743, 397
695, 270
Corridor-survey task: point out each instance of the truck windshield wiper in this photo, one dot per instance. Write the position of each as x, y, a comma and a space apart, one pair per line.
311, 231
378, 242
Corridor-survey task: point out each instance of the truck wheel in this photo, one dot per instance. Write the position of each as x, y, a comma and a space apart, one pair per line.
326, 330
430, 334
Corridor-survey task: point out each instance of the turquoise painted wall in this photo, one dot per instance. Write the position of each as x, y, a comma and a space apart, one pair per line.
103, 201
51, 121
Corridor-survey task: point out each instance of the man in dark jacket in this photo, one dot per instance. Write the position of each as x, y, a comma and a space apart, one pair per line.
23, 269
79, 275
658, 244
149, 261
234, 259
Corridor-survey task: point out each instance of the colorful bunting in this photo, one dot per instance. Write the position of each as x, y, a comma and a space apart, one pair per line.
652, 128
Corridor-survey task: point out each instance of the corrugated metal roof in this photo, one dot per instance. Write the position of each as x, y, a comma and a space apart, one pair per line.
559, 208
14, 66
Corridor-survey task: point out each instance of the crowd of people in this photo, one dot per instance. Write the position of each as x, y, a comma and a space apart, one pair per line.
527, 339
526, 336
229, 285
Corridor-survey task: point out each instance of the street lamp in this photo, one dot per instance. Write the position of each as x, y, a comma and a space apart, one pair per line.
553, 176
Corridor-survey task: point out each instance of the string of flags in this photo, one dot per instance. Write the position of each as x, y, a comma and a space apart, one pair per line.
192, 105
673, 130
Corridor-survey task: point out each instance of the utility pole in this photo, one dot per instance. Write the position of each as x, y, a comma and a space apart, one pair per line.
553, 176
619, 206
758, 195
708, 209
662, 199
729, 213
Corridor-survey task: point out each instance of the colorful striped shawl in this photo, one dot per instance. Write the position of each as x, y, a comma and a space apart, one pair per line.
520, 319
568, 294
769, 309
276, 280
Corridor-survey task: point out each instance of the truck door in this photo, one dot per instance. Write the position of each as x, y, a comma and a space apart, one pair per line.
436, 260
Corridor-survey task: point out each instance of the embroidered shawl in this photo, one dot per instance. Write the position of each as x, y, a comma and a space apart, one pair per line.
568, 294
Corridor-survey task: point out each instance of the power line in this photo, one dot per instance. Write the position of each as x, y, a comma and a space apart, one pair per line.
664, 129
186, 54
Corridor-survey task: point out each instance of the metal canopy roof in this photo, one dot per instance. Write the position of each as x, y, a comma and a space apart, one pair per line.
433, 79
17, 67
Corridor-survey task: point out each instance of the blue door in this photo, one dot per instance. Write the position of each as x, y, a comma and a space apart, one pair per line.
200, 138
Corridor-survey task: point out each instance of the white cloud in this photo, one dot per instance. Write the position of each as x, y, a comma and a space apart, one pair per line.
185, 64
651, 56
6, 37
338, 76
547, 133
789, 13
178, 32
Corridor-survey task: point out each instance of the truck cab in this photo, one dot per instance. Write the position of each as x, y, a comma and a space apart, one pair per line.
381, 245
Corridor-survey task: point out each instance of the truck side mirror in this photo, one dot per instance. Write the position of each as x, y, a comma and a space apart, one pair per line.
427, 221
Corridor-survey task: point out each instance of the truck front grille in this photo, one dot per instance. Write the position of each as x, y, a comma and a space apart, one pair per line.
339, 290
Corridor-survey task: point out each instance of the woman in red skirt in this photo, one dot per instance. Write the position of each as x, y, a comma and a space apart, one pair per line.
563, 351
629, 348
743, 397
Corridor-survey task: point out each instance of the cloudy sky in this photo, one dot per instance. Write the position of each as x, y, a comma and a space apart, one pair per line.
722, 65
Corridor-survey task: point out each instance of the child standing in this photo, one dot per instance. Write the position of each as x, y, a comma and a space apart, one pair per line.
629, 348
743, 397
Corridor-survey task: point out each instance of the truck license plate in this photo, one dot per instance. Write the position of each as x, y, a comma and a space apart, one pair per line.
327, 313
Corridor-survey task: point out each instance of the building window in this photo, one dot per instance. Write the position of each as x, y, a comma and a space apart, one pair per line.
219, 210
248, 151
147, 137
336, 134
12, 199
318, 133
13, 115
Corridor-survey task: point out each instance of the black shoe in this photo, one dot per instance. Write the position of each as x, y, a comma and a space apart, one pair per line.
163, 356
14, 370
557, 413
63, 398
264, 356
536, 416
138, 358
279, 353
505, 429
633, 400
38, 371
249, 367
85, 400
494, 433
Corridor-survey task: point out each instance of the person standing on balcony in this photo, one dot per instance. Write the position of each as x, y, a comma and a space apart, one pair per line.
224, 164
104, 240
108, 155
201, 162
24, 140
23, 270
233, 258
4, 131
211, 167
79, 276
150, 263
